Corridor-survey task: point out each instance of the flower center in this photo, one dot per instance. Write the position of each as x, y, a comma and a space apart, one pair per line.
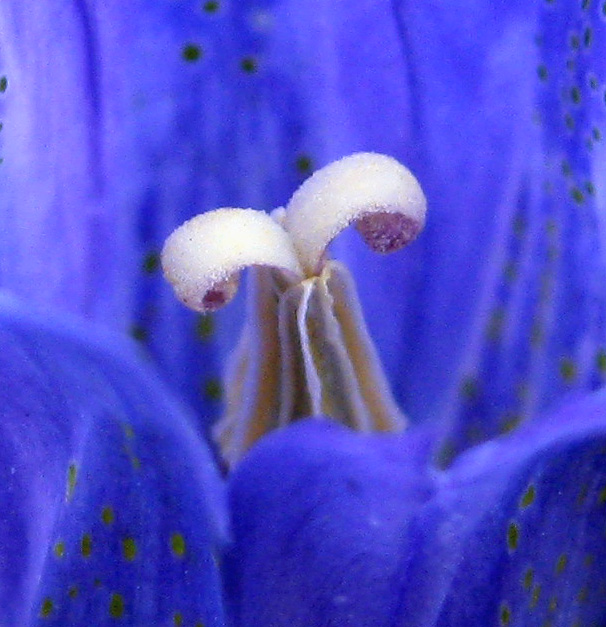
305, 349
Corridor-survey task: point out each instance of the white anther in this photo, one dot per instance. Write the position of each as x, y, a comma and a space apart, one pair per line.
373, 190
203, 257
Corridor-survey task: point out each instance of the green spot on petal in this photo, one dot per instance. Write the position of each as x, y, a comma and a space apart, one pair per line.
205, 326
561, 564
528, 497
178, 619
151, 262
304, 164
72, 592
470, 388
59, 549
3, 84
513, 536
249, 64
107, 515
191, 53
542, 72
528, 578
86, 545
177, 545
568, 370
602, 496
129, 549
116, 606
213, 390
505, 614
47, 608
72, 480
535, 597
139, 333
212, 6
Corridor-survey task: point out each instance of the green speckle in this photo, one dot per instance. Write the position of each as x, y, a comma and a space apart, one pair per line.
513, 536
495, 325
86, 545
590, 188
588, 37
604, 9
593, 82
116, 605
535, 596
129, 549
575, 42
191, 53
569, 121
505, 614
511, 423
601, 361
72, 592
1, 126
107, 515
568, 370
470, 388
151, 262
3, 84
528, 578
129, 432
72, 480
585, 5
177, 545
178, 619
59, 549
213, 390
47, 608
205, 326
542, 72
583, 594
589, 560
139, 333
212, 6
304, 164
553, 604
249, 64
566, 169
136, 462
575, 95
528, 497
597, 133
602, 496
561, 564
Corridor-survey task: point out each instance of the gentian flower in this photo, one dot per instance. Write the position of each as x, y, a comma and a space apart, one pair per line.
120, 123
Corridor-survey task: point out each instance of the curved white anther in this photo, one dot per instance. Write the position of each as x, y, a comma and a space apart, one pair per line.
373, 190
203, 257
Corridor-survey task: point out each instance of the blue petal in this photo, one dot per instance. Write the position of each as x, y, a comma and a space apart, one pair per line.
335, 528
512, 318
112, 505
318, 513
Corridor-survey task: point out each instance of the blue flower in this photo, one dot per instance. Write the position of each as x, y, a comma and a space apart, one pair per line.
119, 123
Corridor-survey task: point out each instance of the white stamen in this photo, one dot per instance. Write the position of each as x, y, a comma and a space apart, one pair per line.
203, 257
374, 190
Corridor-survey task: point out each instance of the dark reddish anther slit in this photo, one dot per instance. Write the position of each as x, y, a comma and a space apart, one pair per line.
386, 232
213, 299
